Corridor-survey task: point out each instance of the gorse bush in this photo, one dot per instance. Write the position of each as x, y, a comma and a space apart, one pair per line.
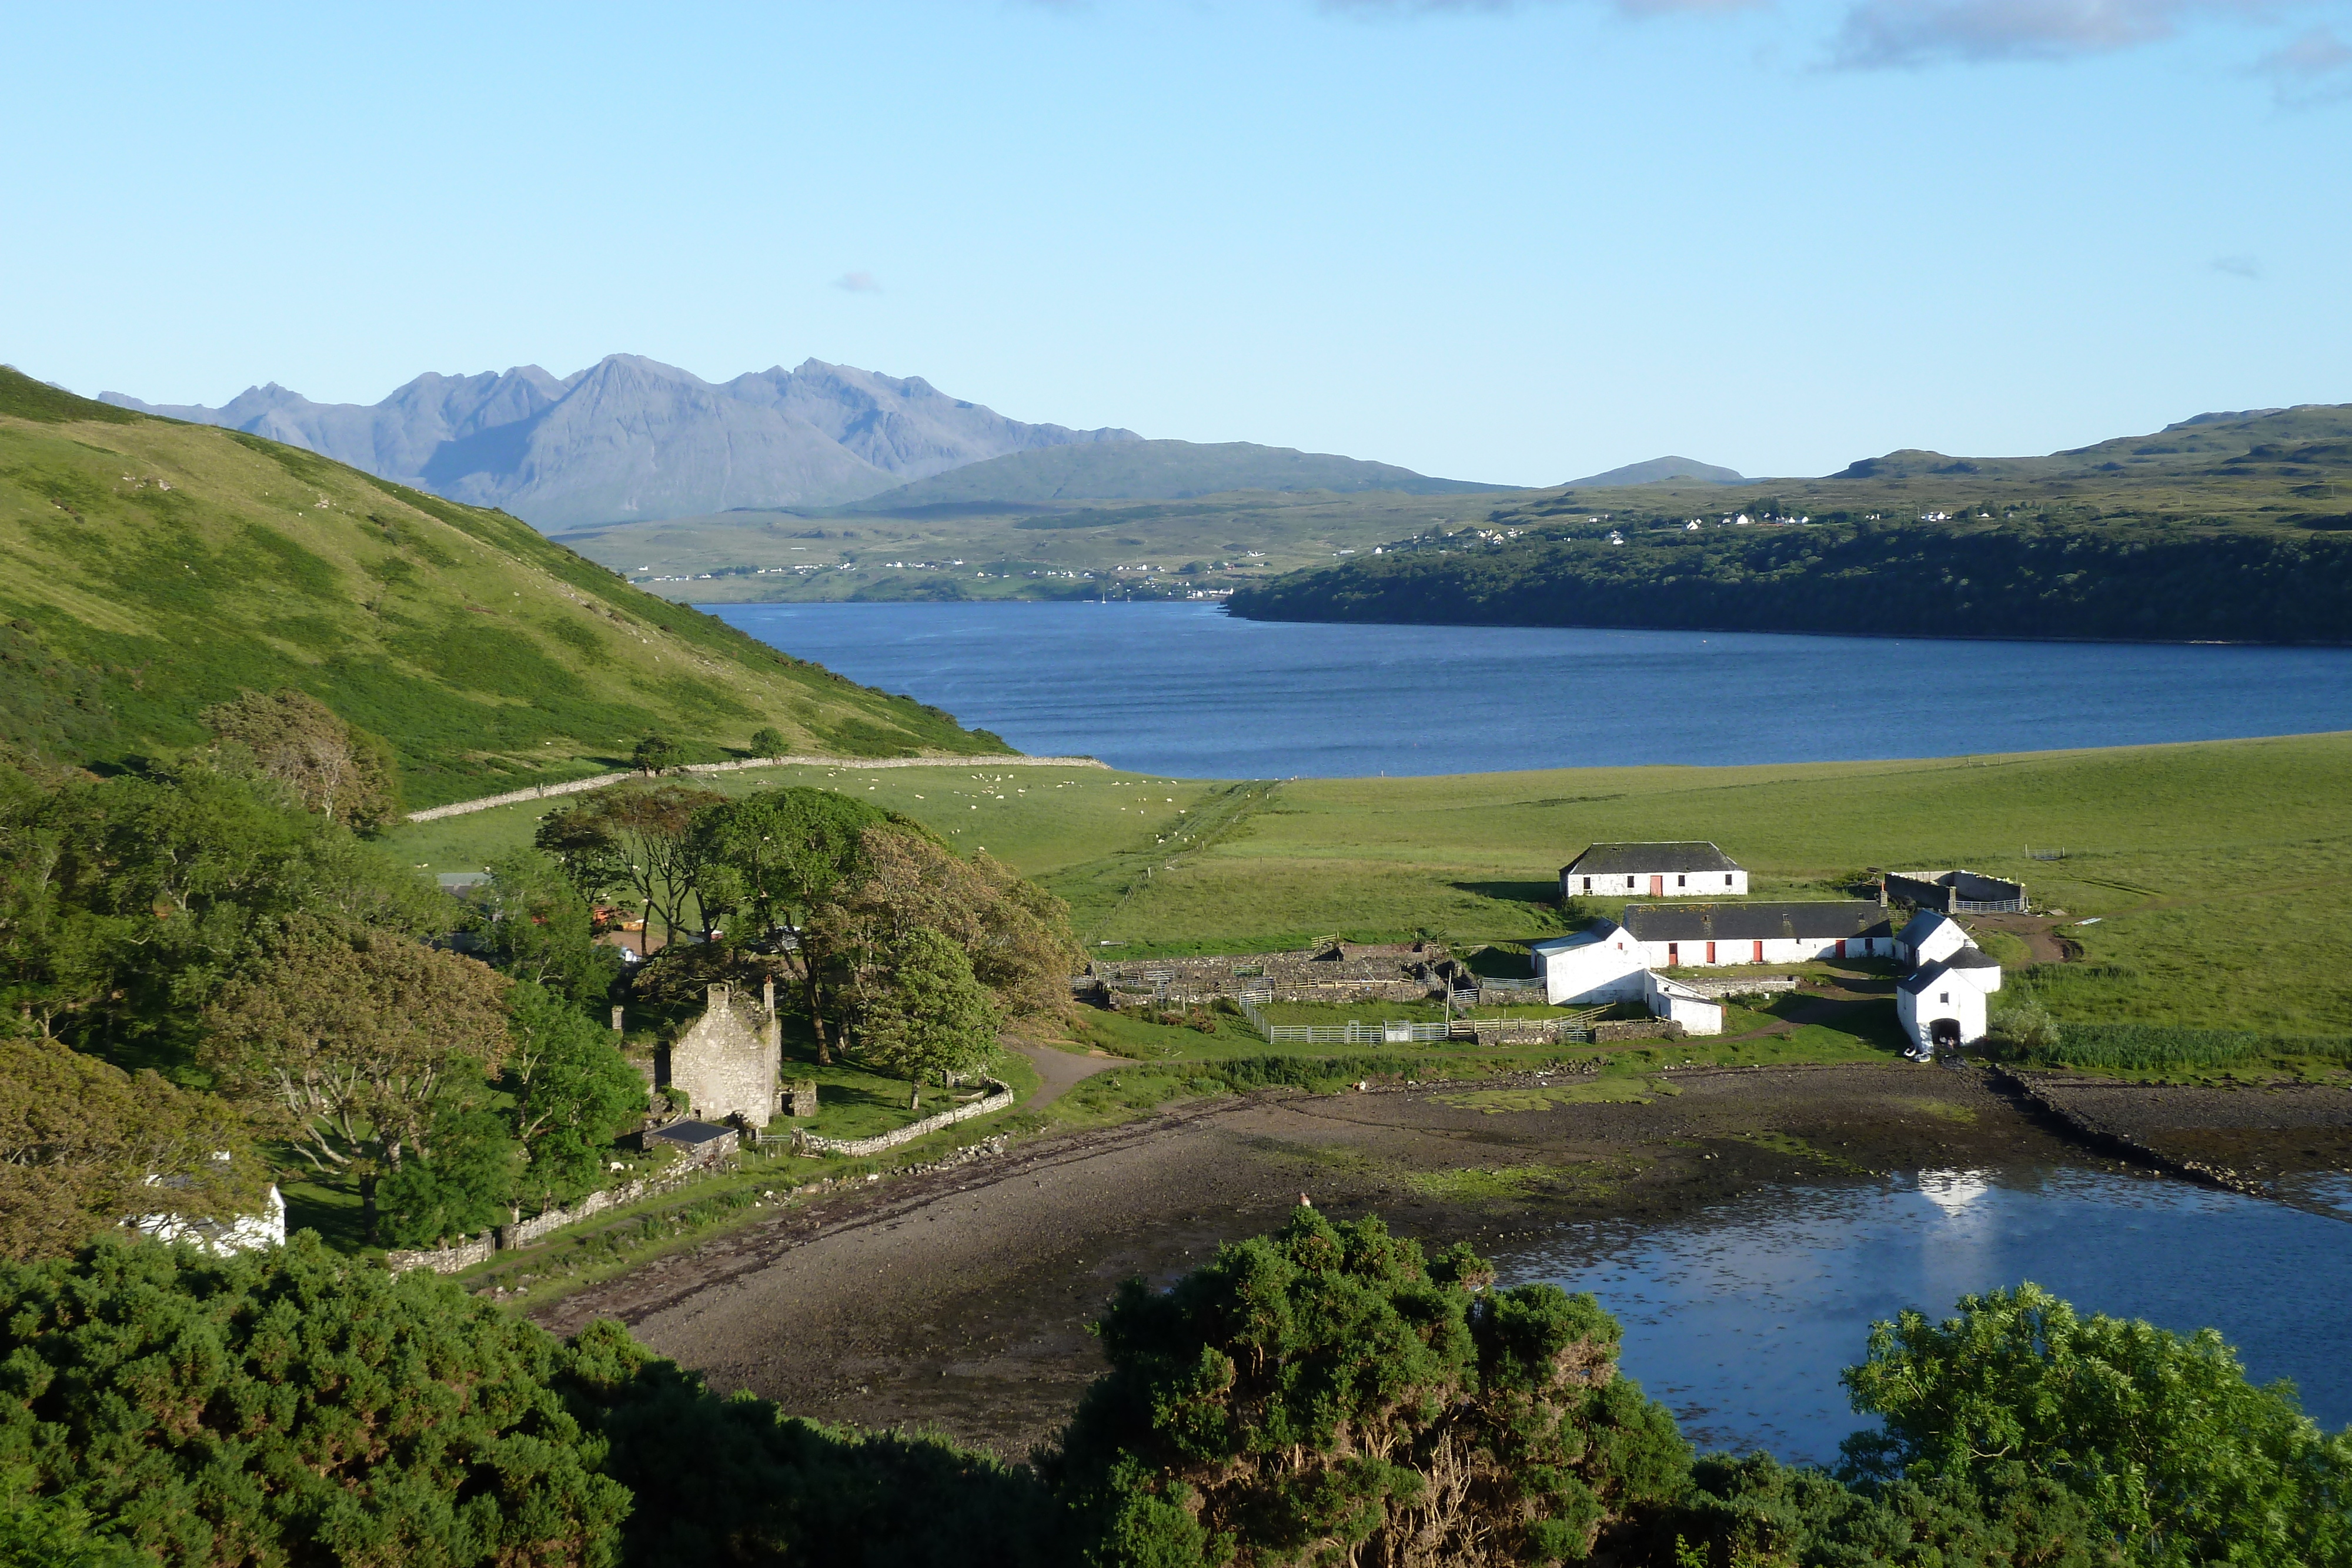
1330, 1394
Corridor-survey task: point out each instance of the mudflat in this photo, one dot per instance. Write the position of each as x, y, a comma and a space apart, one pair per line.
960, 1300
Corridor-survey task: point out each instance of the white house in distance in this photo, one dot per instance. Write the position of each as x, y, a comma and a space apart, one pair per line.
1941, 1002
1673, 870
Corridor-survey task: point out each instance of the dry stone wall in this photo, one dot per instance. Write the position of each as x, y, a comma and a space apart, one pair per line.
581, 786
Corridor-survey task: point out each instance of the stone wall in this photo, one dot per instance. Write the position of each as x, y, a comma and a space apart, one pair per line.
1635, 1029
860, 764
1346, 972
503, 1237
810, 1144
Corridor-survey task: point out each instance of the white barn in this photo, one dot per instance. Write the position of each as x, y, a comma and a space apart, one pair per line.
1942, 1004
1928, 938
1599, 963
1678, 869
1703, 935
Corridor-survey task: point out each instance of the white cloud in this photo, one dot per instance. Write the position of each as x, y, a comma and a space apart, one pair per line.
858, 283
2315, 68
1879, 33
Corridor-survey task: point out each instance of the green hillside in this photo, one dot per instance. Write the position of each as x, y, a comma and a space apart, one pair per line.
158, 568
2232, 527
1152, 470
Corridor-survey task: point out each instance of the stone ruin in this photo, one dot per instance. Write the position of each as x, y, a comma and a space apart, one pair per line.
1340, 972
727, 1061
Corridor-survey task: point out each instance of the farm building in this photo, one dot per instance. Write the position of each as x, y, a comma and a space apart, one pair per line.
1941, 1003
1676, 869
1928, 938
1669, 937
1602, 963
1955, 892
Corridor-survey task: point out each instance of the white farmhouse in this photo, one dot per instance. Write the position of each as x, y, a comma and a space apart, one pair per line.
1673, 870
1698, 936
1941, 1003
1928, 939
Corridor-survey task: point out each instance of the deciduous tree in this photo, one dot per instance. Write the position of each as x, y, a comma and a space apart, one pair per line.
933, 1017
84, 1145
335, 768
351, 1040
635, 843
573, 1093
534, 924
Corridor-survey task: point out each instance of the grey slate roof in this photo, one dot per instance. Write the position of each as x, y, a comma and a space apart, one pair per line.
690, 1133
1916, 929
1927, 975
1632, 859
1819, 921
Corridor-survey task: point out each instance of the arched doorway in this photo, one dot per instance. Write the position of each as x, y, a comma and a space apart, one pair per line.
1944, 1034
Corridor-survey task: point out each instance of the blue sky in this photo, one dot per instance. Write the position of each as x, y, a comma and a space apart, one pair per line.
1509, 242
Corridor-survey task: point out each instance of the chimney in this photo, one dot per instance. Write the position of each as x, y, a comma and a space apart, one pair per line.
617, 1020
768, 995
717, 995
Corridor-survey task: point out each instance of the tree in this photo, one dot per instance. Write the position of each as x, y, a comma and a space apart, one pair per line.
1015, 933
1327, 1394
459, 1179
768, 741
535, 925
657, 753
85, 1145
574, 1093
351, 1041
2181, 1459
636, 842
934, 1018
337, 770
786, 852
293, 1406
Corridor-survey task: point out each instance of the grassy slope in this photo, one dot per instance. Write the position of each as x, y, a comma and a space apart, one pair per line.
2223, 872
770, 556
487, 656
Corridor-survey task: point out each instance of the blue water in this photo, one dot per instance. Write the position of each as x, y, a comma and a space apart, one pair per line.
1741, 1317
1183, 690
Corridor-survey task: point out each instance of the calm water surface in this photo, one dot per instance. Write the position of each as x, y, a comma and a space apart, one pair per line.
1182, 689
1741, 1317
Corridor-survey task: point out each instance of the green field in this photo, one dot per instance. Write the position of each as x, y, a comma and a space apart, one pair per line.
2220, 873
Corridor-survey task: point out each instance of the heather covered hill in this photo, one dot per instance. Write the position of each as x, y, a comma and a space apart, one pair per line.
160, 567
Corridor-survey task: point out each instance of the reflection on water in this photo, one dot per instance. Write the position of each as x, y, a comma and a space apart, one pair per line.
1740, 1318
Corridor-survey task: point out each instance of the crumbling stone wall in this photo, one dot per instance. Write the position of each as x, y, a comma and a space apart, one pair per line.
726, 1061
1345, 972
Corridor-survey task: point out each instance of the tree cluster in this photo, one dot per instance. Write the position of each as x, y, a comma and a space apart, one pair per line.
1330, 1395
884, 935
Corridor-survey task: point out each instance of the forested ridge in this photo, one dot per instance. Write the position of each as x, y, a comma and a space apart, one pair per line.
1873, 578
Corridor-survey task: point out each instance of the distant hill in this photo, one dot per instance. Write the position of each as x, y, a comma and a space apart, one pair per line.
158, 568
630, 437
1153, 470
1658, 470
2225, 528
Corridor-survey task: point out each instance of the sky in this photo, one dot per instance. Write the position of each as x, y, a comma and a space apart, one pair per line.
1509, 242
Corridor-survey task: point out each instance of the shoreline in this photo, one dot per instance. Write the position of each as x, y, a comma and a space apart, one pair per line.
960, 1300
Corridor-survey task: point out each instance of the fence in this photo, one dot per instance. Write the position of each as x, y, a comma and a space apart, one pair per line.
1989, 906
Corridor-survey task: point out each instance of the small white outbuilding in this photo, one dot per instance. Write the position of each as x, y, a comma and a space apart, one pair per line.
1941, 1004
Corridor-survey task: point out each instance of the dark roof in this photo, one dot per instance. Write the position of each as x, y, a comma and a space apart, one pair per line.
1632, 860
1915, 930
690, 1132
1824, 921
1927, 975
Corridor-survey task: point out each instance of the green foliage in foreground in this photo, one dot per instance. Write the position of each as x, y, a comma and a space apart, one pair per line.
1882, 579
1326, 1395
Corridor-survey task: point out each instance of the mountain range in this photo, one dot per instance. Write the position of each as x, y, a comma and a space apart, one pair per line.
630, 437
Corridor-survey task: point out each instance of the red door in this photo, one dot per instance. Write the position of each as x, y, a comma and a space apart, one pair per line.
1658, 887
1841, 952
1710, 952
1673, 953
1759, 952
